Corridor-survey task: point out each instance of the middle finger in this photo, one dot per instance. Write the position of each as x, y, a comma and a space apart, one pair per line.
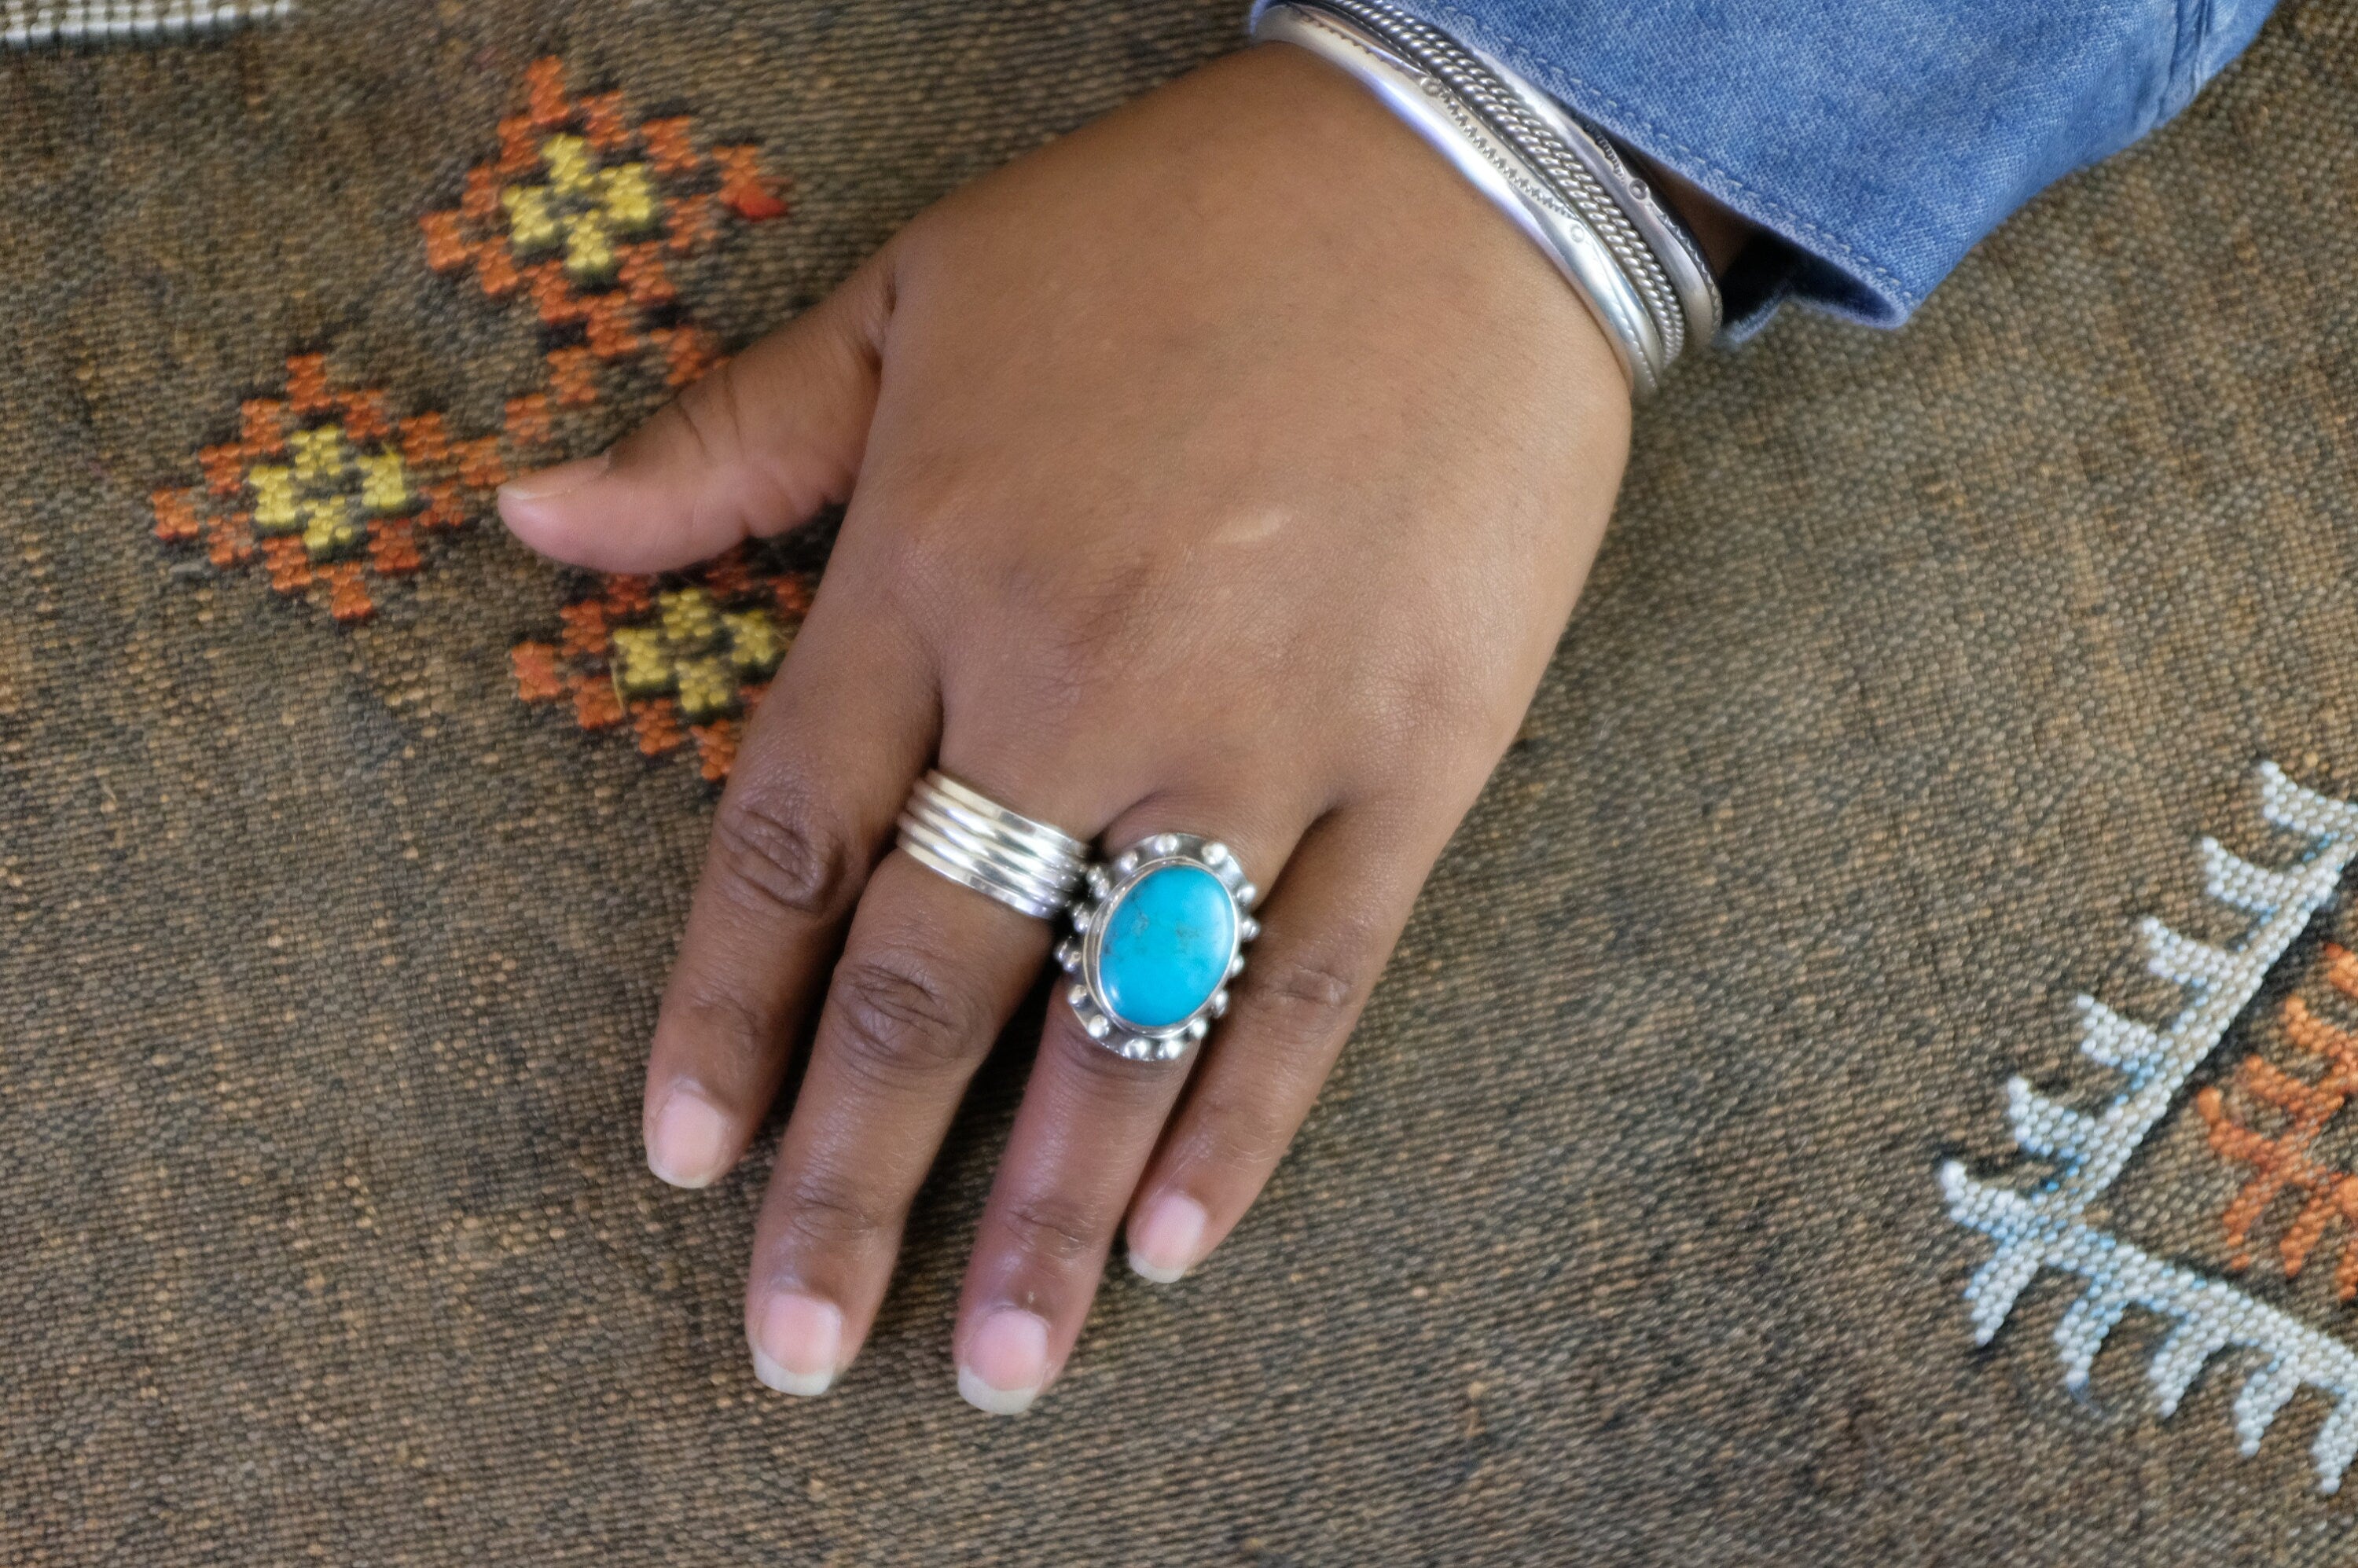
1089, 1124
930, 974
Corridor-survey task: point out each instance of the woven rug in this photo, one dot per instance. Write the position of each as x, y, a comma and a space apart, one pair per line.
1659, 1208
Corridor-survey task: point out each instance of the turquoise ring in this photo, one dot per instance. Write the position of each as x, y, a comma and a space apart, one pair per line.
1156, 938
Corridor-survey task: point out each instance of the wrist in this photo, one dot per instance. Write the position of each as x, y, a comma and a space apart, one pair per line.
1626, 255
1323, 144
1721, 233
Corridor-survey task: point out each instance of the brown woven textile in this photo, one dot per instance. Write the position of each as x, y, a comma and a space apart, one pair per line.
1909, 672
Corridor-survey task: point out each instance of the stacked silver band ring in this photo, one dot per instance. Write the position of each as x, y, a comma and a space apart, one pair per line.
964, 834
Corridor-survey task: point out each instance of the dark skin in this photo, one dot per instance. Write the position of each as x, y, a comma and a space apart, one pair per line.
1228, 467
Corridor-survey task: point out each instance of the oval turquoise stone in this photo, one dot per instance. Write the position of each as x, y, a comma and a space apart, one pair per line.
1165, 946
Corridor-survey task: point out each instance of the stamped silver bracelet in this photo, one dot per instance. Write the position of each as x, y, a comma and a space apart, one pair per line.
1673, 243
1505, 103
1444, 119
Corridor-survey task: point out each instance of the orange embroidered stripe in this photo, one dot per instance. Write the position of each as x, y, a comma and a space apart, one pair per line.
364, 416
519, 147
392, 547
629, 596
553, 297
545, 84
176, 515
527, 421
727, 577
443, 509
446, 245
2341, 969
742, 189
715, 748
348, 597
290, 567
496, 268
611, 336
693, 221
602, 121
2284, 1160
229, 540
480, 202
424, 442
585, 629
479, 466
261, 428
307, 384
537, 676
595, 706
573, 378
224, 467
657, 724
668, 147
689, 352
643, 278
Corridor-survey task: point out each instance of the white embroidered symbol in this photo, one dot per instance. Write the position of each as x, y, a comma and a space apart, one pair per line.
2042, 1226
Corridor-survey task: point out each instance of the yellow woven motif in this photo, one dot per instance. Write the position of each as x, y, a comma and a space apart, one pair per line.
581, 213
755, 645
707, 689
581, 209
531, 227
384, 485
273, 499
700, 650
696, 653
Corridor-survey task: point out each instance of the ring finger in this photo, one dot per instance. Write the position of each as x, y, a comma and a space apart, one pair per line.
1089, 1124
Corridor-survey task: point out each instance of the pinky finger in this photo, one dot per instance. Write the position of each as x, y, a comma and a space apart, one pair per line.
1326, 930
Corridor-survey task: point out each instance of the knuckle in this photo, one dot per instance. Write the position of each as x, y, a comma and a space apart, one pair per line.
895, 1018
1050, 1230
1236, 1136
724, 1031
823, 1212
1307, 996
712, 412
774, 851
1111, 1080
927, 580
1077, 636
1092, 633
1431, 699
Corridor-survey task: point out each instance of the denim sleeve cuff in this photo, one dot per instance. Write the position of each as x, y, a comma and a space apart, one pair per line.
1877, 139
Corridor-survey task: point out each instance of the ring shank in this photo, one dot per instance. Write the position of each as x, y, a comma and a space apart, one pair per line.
959, 833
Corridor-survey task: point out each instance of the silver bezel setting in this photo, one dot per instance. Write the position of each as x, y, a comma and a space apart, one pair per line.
1080, 953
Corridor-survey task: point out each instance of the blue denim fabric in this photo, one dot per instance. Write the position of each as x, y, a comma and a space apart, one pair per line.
1880, 138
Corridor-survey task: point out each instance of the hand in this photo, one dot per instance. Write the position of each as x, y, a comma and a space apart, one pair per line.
1227, 467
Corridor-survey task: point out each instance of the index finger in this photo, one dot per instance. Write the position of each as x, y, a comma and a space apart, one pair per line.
849, 722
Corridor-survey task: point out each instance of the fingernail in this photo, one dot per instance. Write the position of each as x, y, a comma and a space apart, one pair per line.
1005, 1363
799, 1344
690, 1141
1164, 1240
554, 482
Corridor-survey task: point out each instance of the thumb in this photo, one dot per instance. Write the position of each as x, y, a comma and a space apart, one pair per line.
756, 447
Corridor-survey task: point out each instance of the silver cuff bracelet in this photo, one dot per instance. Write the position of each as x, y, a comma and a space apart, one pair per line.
1626, 255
